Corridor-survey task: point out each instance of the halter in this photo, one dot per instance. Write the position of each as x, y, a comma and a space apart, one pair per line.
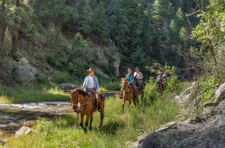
79, 104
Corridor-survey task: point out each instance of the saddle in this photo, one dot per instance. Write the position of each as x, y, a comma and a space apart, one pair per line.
92, 93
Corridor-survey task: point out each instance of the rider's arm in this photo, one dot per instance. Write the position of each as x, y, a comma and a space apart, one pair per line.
85, 83
140, 75
97, 84
131, 79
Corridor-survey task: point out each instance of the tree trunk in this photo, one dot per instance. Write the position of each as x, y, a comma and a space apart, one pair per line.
202, 5
16, 35
211, 50
3, 23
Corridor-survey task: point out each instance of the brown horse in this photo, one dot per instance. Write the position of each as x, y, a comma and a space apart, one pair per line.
139, 88
128, 93
83, 105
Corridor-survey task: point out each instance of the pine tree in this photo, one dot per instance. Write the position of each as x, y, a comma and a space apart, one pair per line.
173, 33
100, 23
85, 16
159, 9
180, 19
138, 58
182, 33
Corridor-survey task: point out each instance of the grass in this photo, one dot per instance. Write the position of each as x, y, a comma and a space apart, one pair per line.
39, 92
117, 129
45, 92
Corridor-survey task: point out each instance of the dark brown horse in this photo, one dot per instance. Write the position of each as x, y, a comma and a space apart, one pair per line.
139, 88
83, 105
128, 93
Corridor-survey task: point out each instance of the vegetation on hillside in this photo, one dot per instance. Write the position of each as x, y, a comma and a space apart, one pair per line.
144, 32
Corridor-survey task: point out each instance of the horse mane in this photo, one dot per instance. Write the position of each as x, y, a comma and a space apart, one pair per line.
80, 91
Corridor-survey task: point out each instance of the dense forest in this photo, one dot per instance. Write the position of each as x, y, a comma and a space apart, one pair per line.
46, 47
144, 31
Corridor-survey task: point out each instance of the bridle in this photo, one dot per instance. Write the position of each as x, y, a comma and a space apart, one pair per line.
79, 104
124, 87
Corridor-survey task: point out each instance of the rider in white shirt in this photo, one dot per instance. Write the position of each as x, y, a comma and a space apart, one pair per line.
138, 75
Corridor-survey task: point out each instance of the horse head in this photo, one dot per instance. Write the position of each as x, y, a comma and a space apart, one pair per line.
124, 83
74, 96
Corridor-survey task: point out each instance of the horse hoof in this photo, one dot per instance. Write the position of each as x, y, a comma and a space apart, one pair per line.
90, 128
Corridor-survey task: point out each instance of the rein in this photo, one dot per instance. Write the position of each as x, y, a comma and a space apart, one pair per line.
83, 105
125, 90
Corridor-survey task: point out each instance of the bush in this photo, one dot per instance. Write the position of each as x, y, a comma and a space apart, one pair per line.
42, 79
61, 77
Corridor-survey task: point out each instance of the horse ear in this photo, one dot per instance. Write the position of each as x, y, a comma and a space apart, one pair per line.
69, 91
121, 78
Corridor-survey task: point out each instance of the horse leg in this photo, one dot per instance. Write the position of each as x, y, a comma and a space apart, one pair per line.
129, 104
87, 119
134, 100
91, 119
102, 116
123, 104
81, 120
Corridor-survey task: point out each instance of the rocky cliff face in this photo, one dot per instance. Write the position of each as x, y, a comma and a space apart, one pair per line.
31, 60
105, 54
198, 132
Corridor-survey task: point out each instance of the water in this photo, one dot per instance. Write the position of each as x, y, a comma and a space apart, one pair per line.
14, 116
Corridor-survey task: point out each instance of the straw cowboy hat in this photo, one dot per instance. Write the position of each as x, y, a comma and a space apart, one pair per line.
91, 69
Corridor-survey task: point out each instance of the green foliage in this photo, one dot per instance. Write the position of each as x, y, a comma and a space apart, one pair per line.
211, 26
61, 77
182, 33
151, 91
159, 9
180, 19
117, 128
41, 92
208, 89
85, 16
55, 11
100, 23
157, 68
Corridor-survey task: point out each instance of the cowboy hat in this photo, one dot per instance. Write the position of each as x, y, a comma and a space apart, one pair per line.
91, 69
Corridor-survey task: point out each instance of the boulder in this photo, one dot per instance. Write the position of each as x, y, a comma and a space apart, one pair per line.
116, 64
98, 71
24, 73
220, 94
23, 131
67, 86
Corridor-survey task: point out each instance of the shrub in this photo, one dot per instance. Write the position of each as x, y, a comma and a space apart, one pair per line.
61, 77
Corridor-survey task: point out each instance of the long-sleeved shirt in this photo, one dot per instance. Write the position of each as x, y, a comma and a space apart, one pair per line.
88, 82
138, 75
130, 78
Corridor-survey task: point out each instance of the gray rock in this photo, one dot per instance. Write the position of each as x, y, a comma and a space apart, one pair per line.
23, 61
24, 73
220, 94
67, 86
98, 71
116, 64
192, 133
23, 131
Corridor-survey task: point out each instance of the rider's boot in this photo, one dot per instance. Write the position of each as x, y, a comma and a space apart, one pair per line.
121, 94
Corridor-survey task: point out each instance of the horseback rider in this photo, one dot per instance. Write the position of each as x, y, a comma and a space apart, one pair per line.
139, 76
130, 79
91, 86
160, 79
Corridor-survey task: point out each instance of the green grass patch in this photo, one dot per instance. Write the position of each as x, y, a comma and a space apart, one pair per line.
40, 92
117, 129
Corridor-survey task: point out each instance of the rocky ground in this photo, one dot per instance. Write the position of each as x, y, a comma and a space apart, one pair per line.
198, 132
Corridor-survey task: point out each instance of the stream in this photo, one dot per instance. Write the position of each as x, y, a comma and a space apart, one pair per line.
14, 116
